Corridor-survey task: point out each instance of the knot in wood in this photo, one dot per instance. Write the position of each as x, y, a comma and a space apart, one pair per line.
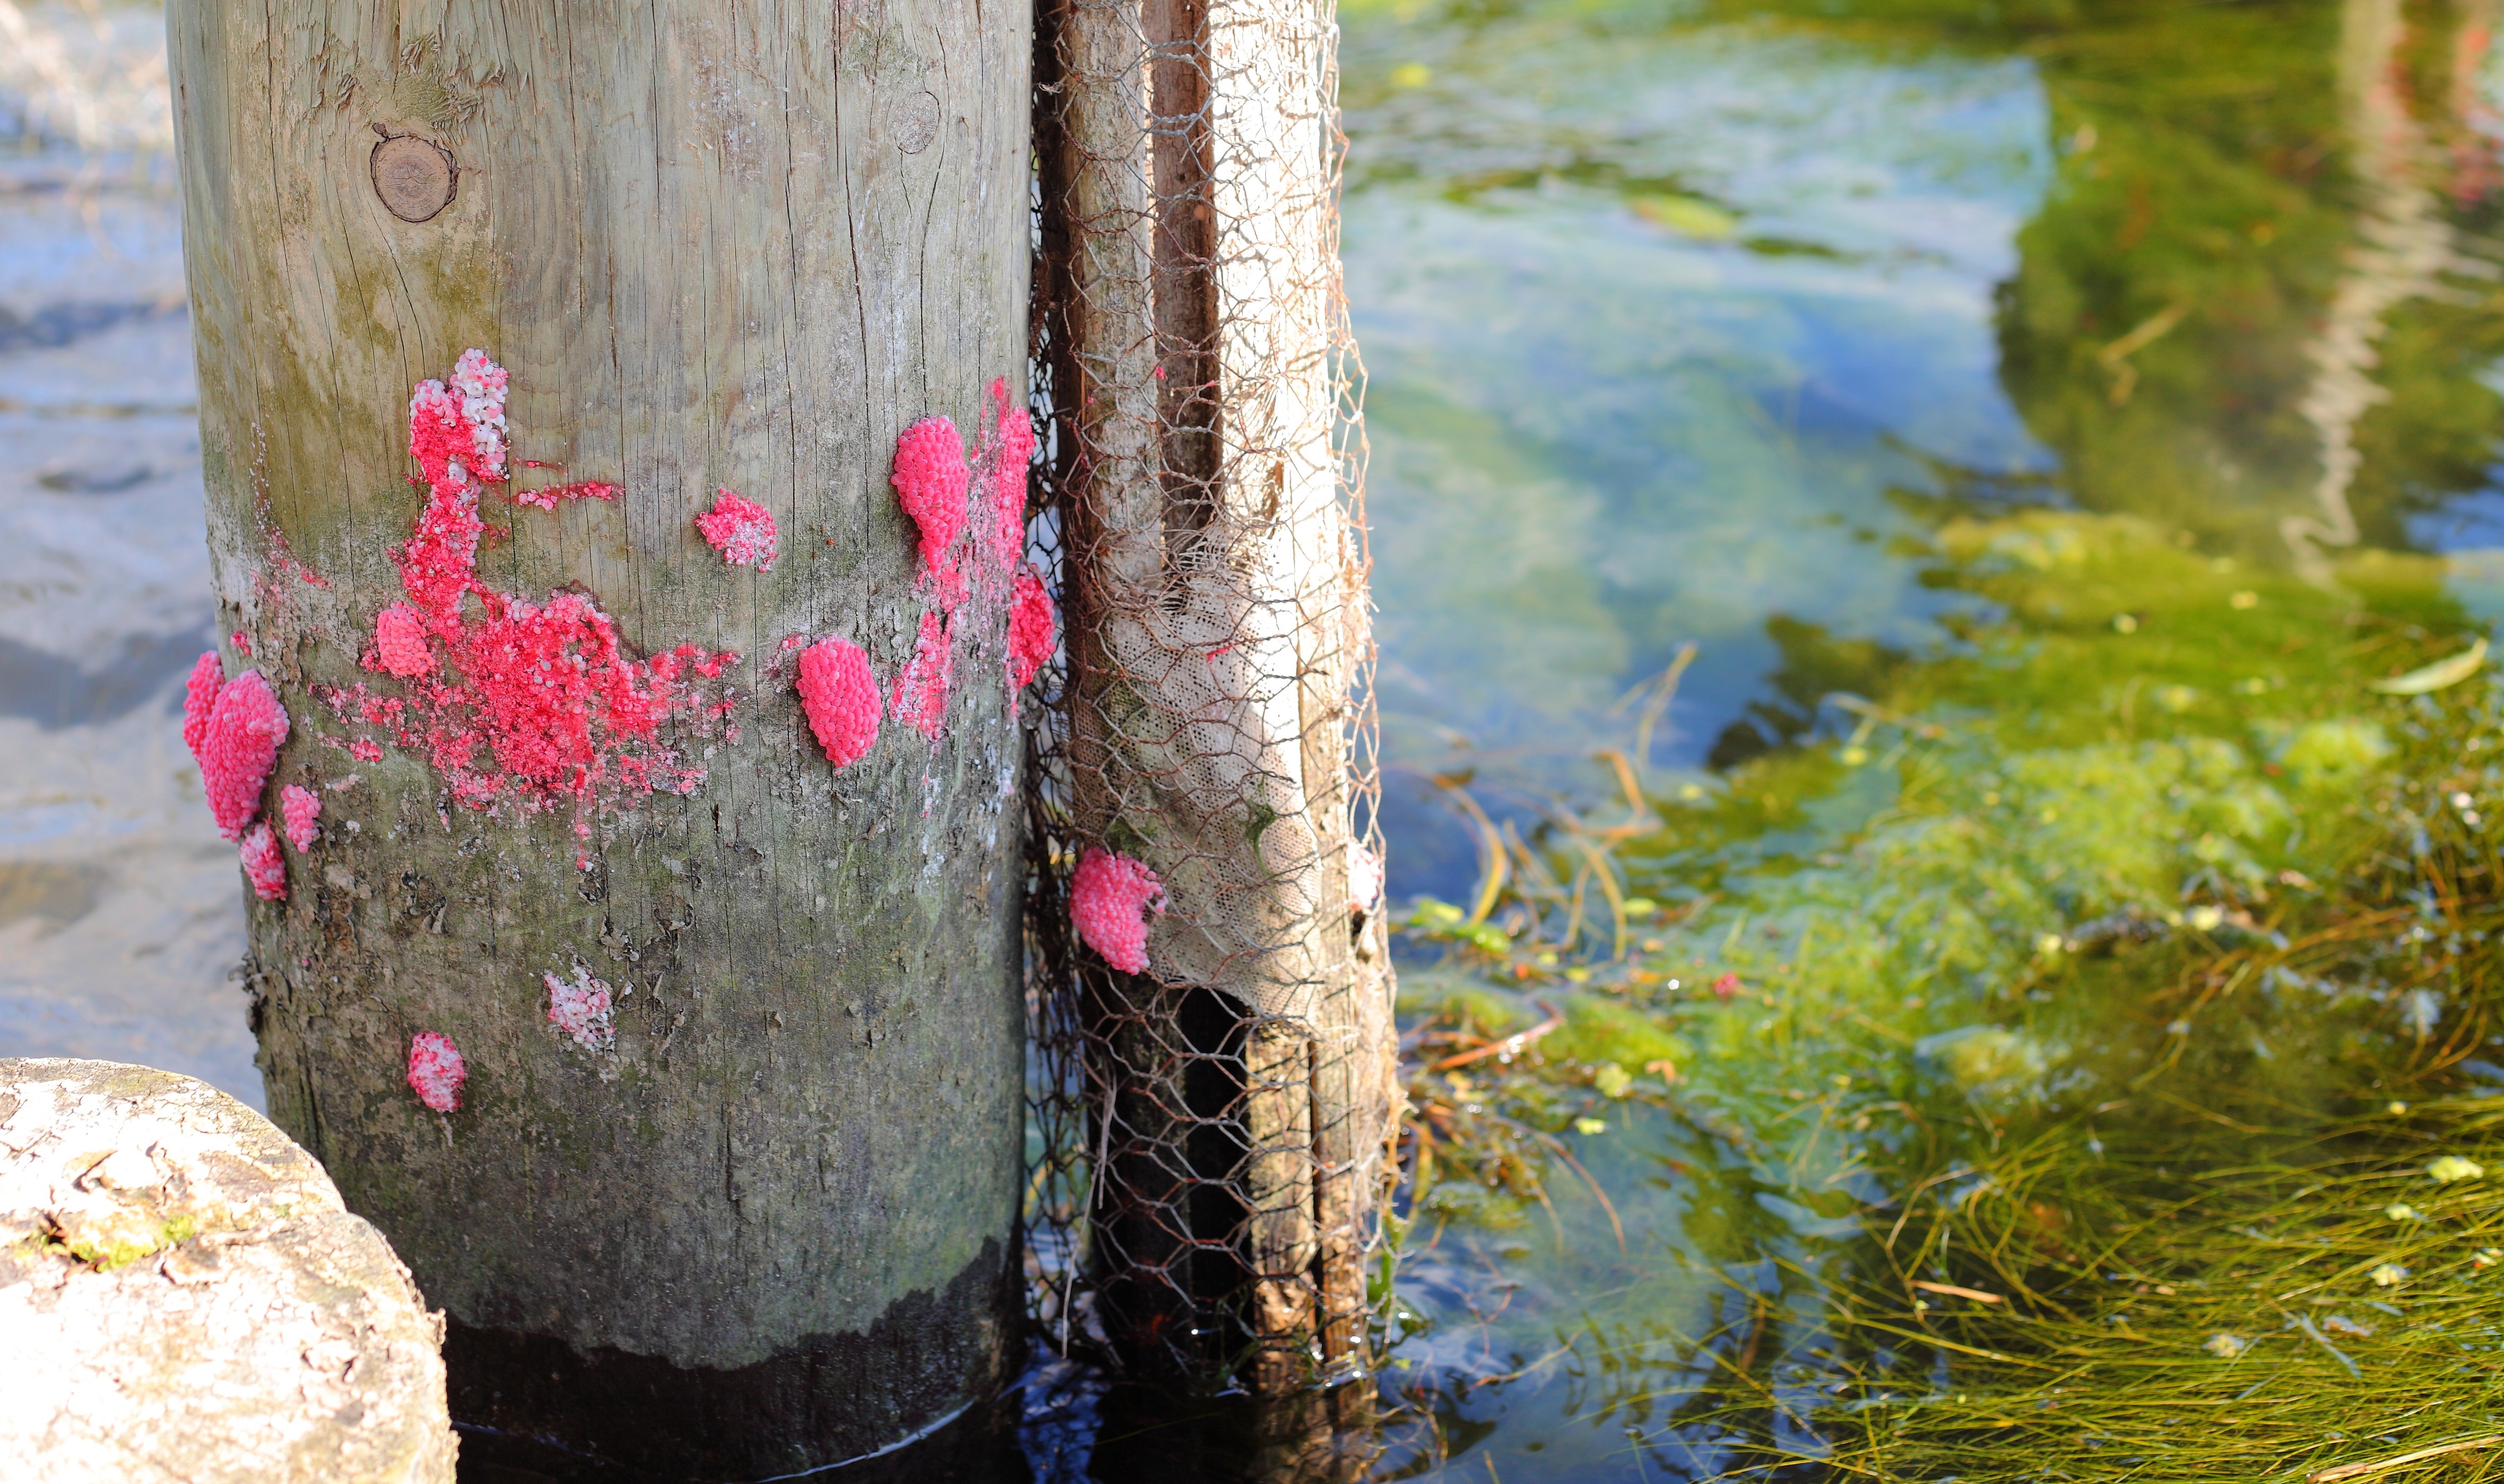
917, 123
416, 178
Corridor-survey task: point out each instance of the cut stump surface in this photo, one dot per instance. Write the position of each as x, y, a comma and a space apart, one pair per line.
183, 1296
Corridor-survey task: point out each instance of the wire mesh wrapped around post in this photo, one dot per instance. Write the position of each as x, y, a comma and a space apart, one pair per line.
1215, 1097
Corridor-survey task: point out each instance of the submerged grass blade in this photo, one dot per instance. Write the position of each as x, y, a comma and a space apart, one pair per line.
2400, 1461
2438, 676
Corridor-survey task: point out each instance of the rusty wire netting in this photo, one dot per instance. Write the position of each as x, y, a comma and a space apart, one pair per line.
1210, 1128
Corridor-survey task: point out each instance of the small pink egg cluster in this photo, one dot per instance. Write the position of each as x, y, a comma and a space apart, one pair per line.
960, 555
1110, 898
234, 729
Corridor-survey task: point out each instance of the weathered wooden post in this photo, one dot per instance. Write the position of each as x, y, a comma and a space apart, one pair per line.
655, 1000
1237, 996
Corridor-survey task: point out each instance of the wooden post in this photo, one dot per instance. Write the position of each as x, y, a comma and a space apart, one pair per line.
732, 1179
1217, 630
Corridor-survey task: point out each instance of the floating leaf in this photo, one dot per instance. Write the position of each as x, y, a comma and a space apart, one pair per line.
1613, 1079
2388, 1275
2452, 1167
2435, 677
1685, 216
1590, 1125
2402, 1211
2226, 1347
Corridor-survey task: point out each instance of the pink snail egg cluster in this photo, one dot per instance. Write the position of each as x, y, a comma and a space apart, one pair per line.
1030, 620
299, 807
436, 1070
1110, 898
740, 530
481, 383
199, 698
513, 701
930, 479
263, 864
840, 697
399, 642
457, 432
234, 730
581, 1009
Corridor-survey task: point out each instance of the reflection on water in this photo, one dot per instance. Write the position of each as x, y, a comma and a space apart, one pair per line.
1656, 317
1757, 327
1676, 322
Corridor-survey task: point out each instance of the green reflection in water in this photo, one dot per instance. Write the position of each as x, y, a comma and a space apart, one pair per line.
1598, 436
2060, 860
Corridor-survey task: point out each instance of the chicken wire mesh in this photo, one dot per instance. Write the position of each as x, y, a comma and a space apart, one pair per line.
1211, 1101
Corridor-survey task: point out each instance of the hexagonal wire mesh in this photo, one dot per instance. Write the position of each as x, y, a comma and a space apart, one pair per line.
1210, 1126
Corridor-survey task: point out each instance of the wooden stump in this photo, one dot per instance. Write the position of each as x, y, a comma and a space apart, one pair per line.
183, 1297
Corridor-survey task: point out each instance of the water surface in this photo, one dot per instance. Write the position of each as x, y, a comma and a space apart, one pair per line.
2102, 382
1676, 322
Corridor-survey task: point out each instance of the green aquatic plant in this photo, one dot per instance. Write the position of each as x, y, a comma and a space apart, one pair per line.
2013, 976
2176, 1307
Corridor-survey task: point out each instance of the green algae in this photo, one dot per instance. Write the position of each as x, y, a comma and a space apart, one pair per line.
2076, 947
106, 1256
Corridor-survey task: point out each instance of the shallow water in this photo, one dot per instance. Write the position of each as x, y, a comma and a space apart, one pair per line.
120, 909
1750, 328
1696, 324
1676, 322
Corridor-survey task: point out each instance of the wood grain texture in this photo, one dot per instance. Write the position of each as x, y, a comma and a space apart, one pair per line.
735, 245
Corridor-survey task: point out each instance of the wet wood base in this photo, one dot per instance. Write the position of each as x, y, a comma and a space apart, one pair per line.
891, 1397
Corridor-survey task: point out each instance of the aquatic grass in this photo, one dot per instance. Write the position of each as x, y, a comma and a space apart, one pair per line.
2246, 1317
2315, 1281
2083, 948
